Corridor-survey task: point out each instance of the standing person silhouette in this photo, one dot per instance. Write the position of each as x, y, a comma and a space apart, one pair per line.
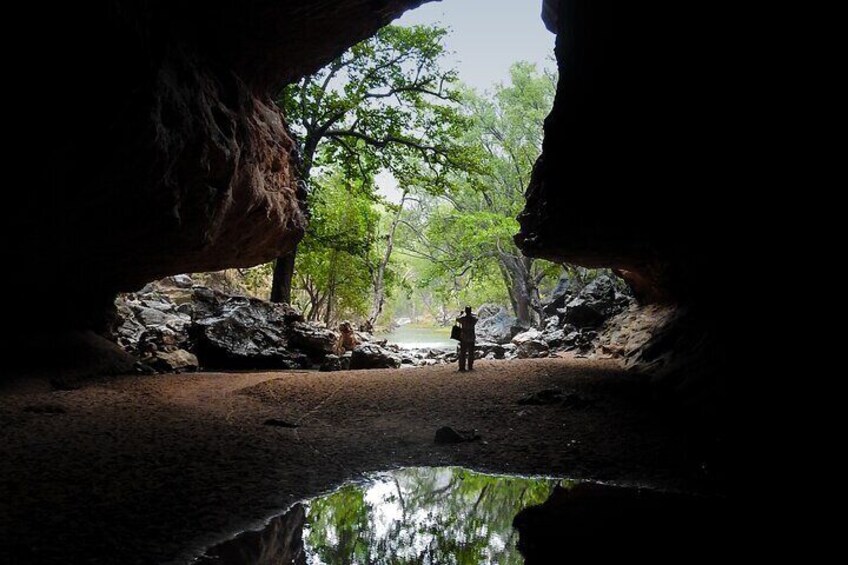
466, 339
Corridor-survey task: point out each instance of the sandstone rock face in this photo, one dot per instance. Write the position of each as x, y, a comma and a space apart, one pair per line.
155, 146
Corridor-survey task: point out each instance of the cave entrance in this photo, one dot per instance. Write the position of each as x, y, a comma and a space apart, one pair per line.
416, 147
181, 160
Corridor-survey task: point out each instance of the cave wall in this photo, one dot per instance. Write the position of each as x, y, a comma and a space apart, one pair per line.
151, 142
641, 164
637, 170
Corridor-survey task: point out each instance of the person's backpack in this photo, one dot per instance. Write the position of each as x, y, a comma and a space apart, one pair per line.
456, 331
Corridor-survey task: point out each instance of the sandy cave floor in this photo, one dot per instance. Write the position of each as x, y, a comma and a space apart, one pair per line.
152, 469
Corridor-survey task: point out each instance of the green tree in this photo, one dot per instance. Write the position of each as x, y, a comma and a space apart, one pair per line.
467, 234
338, 251
423, 515
385, 104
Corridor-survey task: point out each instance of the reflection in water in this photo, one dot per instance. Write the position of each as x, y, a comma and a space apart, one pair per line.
451, 515
422, 515
415, 515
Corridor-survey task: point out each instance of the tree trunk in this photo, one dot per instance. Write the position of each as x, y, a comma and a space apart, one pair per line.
518, 278
281, 285
328, 313
523, 303
379, 299
331, 288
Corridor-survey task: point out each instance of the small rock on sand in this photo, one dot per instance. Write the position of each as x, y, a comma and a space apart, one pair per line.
448, 435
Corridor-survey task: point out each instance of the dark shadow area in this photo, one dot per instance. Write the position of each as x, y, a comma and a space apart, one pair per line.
591, 521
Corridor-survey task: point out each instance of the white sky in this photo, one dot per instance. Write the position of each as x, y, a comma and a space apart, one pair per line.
487, 37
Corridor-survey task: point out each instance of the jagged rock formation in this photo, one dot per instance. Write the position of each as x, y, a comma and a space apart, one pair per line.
176, 325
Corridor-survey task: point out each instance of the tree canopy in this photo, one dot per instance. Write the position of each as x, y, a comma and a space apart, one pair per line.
466, 233
459, 161
385, 105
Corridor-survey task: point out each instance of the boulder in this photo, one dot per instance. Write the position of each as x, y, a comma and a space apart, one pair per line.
363, 337
182, 281
176, 361
542, 397
529, 335
594, 304
486, 348
532, 349
497, 328
159, 338
312, 340
129, 330
585, 340
331, 363
555, 338
450, 357
559, 296
334, 363
245, 333
224, 331
448, 435
509, 350
370, 356
150, 321
488, 310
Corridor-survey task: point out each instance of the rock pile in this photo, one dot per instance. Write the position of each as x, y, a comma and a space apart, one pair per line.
574, 322
176, 325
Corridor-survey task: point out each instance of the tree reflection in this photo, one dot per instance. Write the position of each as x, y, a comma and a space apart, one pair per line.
421, 515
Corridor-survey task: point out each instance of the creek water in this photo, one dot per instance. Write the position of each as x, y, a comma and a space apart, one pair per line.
439, 515
419, 337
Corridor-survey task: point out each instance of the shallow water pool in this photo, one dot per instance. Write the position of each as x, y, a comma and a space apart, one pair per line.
443, 515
